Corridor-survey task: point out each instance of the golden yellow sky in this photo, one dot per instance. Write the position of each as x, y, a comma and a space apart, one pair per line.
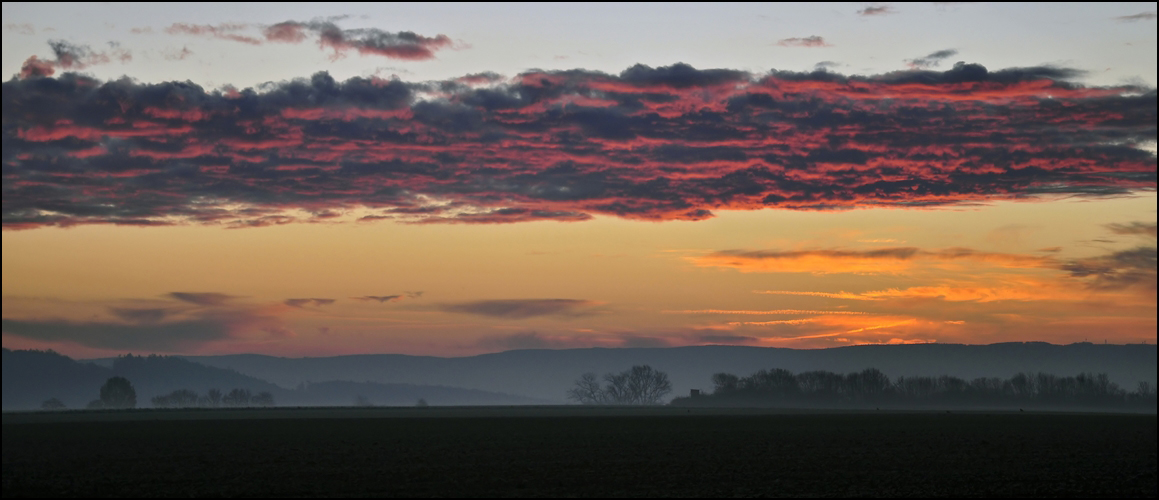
1003, 271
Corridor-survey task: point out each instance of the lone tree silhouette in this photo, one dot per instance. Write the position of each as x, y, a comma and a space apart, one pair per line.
118, 392
639, 385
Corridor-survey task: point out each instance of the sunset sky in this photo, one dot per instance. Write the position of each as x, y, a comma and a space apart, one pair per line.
309, 180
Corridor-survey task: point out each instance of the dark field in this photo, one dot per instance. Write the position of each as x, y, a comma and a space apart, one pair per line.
571, 451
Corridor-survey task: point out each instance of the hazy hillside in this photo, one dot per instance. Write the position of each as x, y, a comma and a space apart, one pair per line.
31, 377
547, 374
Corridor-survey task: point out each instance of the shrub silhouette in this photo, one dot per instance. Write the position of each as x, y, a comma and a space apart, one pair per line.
52, 404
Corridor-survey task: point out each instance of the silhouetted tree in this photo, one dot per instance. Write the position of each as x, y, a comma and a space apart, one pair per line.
647, 386
587, 390
776, 381
52, 404
725, 382
213, 396
639, 385
237, 397
118, 392
421, 403
1145, 389
361, 400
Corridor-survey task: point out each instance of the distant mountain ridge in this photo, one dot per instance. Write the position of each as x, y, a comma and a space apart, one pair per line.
547, 374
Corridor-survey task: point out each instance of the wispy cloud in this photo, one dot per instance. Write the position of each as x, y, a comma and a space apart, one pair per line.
165, 337
877, 10
21, 28
879, 261
1134, 228
839, 295
203, 298
183, 323
301, 303
1134, 268
389, 298
225, 31
523, 308
759, 312
1142, 16
931, 60
365, 41
809, 41
71, 56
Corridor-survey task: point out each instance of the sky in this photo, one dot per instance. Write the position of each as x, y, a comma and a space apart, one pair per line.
456, 179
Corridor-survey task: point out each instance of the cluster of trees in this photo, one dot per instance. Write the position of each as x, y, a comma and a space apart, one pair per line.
639, 385
118, 393
872, 386
213, 398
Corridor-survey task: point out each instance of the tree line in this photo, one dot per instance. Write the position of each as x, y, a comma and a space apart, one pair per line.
871, 386
213, 398
118, 393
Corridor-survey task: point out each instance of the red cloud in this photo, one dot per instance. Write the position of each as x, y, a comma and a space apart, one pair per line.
71, 56
671, 143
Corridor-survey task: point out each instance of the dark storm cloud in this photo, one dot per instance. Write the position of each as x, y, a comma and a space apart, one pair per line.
931, 60
667, 143
522, 308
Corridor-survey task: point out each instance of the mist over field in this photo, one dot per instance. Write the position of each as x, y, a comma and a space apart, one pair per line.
532, 377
